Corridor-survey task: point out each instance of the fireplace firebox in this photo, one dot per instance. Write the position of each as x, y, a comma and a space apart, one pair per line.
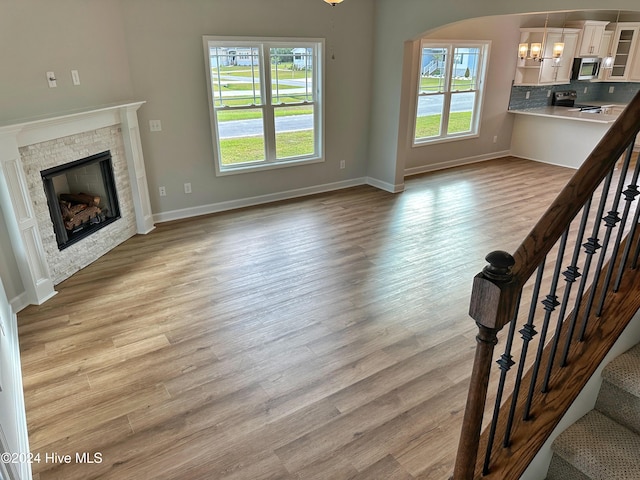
82, 197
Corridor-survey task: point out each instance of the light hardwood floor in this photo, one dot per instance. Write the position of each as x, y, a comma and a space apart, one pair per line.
320, 338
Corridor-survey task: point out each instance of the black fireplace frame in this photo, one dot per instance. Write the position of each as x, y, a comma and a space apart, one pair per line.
64, 238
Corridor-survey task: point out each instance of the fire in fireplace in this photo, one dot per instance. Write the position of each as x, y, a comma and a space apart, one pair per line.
82, 197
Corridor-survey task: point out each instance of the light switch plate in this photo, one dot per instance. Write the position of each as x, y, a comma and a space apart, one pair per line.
51, 79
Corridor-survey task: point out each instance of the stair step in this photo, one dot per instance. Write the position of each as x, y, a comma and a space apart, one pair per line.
598, 448
624, 371
619, 396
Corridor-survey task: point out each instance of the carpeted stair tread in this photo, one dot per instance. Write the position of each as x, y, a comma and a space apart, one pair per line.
619, 405
600, 448
624, 371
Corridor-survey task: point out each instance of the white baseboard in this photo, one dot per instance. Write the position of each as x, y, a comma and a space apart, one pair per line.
387, 187
20, 302
301, 192
251, 201
455, 163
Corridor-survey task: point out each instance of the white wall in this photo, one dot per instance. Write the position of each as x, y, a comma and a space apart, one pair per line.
13, 423
8, 266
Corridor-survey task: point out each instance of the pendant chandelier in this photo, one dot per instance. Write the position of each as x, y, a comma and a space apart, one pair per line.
534, 51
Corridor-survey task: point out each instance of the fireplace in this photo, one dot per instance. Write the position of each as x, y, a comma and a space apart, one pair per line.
81, 197
34, 146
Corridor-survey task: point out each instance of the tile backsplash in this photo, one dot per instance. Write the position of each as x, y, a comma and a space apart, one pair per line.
596, 92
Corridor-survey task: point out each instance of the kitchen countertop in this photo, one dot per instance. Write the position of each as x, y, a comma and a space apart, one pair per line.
569, 113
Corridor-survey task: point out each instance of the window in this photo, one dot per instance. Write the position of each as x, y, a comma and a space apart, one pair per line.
449, 90
265, 99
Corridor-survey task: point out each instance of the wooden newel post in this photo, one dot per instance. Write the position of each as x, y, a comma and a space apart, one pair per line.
489, 307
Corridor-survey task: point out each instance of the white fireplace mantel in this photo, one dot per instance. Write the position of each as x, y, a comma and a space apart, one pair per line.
15, 201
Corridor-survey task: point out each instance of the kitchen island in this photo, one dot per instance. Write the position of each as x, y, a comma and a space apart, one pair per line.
558, 135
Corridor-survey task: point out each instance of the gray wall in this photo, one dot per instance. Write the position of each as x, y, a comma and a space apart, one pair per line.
164, 40
152, 50
37, 36
503, 32
397, 22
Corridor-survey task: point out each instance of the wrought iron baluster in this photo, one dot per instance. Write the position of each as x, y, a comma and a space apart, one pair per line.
629, 196
632, 190
591, 246
571, 275
563, 305
610, 221
527, 332
627, 248
549, 304
636, 254
505, 362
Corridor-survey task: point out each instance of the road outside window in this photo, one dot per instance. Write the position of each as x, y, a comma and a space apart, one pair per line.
265, 102
451, 77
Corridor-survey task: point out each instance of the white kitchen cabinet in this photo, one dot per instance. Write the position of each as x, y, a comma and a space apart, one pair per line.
625, 50
549, 71
605, 44
606, 50
634, 74
590, 37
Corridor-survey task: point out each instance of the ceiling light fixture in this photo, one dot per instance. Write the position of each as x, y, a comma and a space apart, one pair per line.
558, 47
333, 3
534, 50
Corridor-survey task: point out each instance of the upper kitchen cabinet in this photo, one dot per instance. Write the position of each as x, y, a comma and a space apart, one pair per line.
590, 37
625, 51
538, 66
634, 74
606, 51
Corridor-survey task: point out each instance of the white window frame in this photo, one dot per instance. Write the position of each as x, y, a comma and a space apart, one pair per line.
264, 44
483, 61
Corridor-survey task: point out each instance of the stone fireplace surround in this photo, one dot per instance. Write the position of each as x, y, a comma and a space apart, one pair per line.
30, 147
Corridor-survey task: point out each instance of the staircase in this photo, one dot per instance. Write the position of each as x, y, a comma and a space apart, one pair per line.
605, 443
558, 304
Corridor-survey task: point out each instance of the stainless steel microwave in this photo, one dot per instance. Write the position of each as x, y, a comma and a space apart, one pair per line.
585, 68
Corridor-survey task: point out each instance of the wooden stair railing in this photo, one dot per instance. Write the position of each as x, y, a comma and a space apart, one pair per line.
607, 229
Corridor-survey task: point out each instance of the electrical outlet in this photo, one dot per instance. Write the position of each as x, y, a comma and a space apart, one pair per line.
163, 191
155, 125
343, 164
611, 89
495, 139
548, 93
75, 77
527, 95
585, 89
187, 188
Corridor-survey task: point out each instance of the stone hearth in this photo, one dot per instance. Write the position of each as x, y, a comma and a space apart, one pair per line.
30, 147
